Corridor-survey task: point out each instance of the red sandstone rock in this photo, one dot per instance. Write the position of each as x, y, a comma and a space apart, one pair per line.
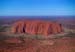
36, 27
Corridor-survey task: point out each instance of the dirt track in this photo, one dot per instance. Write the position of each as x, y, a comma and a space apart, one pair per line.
58, 45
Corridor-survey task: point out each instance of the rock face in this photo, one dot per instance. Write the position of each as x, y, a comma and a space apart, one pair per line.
36, 27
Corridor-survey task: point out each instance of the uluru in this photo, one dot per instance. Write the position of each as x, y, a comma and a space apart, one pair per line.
37, 27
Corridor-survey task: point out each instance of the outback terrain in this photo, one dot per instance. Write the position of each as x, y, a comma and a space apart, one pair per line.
63, 44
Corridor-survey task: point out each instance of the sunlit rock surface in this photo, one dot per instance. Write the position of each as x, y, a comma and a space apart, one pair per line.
36, 27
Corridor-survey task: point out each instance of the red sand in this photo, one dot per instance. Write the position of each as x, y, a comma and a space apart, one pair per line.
60, 45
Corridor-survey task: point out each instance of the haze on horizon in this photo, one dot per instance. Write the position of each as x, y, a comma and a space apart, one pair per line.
37, 7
